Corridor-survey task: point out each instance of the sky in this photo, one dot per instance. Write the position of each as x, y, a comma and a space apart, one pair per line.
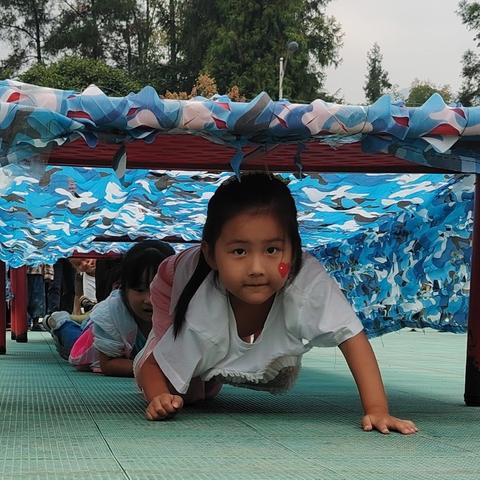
422, 39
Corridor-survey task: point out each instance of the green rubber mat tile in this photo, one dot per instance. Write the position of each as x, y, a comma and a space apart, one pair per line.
240, 474
209, 445
232, 467
185, 425
68, 476
422, 475
279, 426
107, 383
58, 423
260, 402
421, 467
44, 426
42, 405
38, 448
64, 469
21, 377
370, 445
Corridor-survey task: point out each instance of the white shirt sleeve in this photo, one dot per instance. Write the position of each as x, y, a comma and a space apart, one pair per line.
112, 324
106, 337
185, 357
324, 317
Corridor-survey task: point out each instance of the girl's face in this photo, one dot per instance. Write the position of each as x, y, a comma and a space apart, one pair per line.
252, 256
139, 302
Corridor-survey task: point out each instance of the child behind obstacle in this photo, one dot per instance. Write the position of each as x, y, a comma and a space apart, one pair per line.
117, 327
245, 306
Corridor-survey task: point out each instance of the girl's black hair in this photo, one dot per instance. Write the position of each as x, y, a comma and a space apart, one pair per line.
254, 191
140, 264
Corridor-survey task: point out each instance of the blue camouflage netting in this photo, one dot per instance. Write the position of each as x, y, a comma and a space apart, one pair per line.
399, 245
360, 226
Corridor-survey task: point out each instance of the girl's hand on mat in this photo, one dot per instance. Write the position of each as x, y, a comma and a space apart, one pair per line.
163, 406
384, 423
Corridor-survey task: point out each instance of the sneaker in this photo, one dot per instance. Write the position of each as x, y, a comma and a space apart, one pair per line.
62, 351
55, 320
86, 303
37, 328
48, 323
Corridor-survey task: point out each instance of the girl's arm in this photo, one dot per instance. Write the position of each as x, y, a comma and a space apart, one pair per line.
364, 367
115, 366
162, 404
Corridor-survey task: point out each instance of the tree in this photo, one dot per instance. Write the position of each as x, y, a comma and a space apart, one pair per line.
157, 33
171, 25
74, 73
395, 93
135, 35
147, 35
91, 28
241, 43
377, 78
470, 91
470, 14
421, 91
168, 43
205, 86
23, 25
197, 30
469, 94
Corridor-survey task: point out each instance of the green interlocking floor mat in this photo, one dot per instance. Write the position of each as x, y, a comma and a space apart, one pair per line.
57, 423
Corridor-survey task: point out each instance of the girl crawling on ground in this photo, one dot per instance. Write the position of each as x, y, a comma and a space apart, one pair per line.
116, 329
245, 306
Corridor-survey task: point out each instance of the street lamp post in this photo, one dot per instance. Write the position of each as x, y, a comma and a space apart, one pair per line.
292, 47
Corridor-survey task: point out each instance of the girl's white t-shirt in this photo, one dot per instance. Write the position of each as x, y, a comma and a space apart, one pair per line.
310, 311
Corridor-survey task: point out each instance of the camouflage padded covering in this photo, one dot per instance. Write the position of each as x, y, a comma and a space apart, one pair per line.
35, 119
399, 245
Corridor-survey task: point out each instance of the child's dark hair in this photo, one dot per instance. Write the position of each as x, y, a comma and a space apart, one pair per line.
140, 264
257, 192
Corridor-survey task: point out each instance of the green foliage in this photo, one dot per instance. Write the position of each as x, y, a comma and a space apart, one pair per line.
126, 33
421, 91
169, 43
395, 94
74, 73
91, 28
23, 25
470, 14
241, 43
377, 78
5, 72
469, 94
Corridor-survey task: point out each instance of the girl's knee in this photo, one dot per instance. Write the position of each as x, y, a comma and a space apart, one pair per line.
199, 390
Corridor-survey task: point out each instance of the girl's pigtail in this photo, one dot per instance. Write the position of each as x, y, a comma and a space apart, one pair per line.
200, 273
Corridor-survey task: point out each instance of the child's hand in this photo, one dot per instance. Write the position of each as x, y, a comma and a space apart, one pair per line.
163, 406
383, 422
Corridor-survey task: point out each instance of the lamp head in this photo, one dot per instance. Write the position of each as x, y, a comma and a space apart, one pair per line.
292, 47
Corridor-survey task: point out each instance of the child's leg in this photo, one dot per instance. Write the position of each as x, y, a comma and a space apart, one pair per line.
212, 388
67, 334
80, 318
198, 390
64, 332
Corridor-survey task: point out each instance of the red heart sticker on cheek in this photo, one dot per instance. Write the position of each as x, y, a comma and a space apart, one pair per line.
284, 269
